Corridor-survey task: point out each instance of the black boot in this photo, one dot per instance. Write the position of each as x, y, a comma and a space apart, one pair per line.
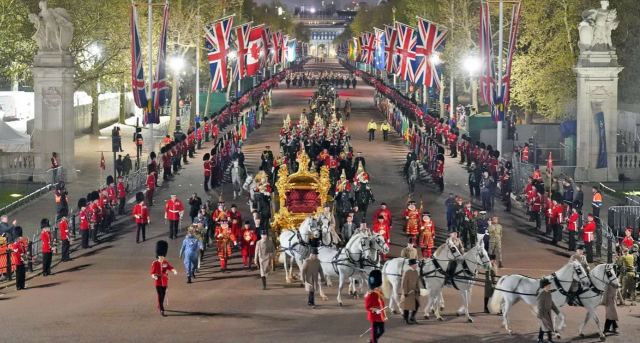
486, 302
405, 315
188, 279
264, 282
412, 318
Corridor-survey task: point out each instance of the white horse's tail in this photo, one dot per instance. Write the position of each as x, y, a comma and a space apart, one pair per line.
496, 300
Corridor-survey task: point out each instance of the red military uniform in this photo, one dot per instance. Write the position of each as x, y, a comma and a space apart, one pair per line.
572, 222
384, 213
63, 227
45, 238
382, 229
111, 195
207, 168
173, 209
141, 213
151, 186
628, 242
84, 220
413, 221
374, 303
18, 251
589, 230
427, 237
249, 239
220, 214
557, 214
122, 190
225, 241
161, 271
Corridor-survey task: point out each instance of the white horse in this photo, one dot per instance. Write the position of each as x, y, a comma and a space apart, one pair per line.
512, 288
249, 186
412, 176
436, 274
238, 176
600, 278
394, 269
295, 244
360, 256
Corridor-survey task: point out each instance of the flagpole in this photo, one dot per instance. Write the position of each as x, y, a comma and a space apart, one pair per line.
197, 112
500, 43
150, 48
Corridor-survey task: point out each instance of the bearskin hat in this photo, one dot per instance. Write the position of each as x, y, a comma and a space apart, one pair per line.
375, 278
161, 248
477, 144
138, 129
489, 147
163, 149
44, 222
197, 125
206, 157
482, 146
82, 202
95, 195
440, 157
496, 154
152, 155
17, 232
508, 165
139, 196
440, 149
110, 179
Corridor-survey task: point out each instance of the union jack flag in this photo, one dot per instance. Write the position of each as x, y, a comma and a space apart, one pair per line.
368, 47
241, 43
276, 40
429, 41
217, 42
513, 38
160, 89
487, 80
405, 50
284, 48
268, 46
390, 49
137, 71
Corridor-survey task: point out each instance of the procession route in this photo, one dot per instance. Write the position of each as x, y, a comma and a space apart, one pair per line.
106, 294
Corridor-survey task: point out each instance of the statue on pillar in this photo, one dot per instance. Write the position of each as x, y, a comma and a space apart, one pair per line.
595, 28
54, 29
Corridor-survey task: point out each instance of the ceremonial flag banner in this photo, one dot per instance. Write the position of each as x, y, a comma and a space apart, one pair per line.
405, 50
391, 38
487, 80
284, 54
138, 85
429, 41
217, 43
291, 50
379, 61
513, 38
241, 43
160, 89
602, 144
276, 40
256, 51
368, 47
268, 46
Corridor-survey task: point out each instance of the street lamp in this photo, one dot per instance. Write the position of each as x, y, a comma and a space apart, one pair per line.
472, 64
176, 63
435, 58
312, 10
232, 55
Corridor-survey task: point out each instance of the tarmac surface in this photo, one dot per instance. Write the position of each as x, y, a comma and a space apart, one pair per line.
106, 294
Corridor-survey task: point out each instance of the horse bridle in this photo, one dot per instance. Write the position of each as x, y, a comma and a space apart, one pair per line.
610, 279
558, 283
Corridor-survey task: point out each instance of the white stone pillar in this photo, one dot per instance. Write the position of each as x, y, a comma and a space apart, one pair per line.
54, 123
597, 77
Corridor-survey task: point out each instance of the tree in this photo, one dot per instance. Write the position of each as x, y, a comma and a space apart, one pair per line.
16, 46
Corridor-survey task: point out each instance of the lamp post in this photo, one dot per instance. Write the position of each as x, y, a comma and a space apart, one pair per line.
176, 63
472, 65
231, 56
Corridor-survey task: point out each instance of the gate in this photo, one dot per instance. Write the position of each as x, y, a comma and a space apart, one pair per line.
621, 217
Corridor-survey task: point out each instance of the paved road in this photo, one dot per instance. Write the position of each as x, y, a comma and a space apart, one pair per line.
106, 294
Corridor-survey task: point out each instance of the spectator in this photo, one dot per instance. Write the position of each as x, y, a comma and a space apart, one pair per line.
126, 165
119, 166
6, 229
